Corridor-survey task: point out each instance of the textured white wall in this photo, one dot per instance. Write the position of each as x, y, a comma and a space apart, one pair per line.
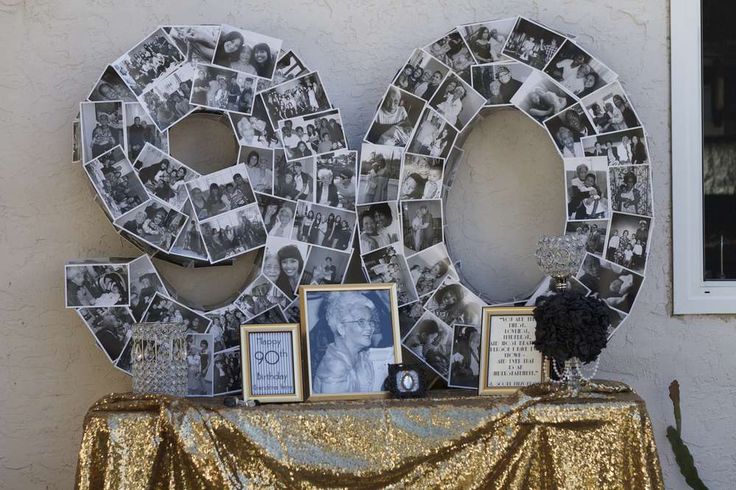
53, 51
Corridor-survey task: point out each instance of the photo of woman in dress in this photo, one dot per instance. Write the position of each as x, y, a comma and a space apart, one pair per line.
486, 40
630, 189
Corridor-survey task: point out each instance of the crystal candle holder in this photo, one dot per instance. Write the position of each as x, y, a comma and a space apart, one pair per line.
560, 256
159, 358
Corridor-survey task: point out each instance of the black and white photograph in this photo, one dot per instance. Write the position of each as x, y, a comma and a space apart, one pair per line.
627, 243
270, 316
199, 364
293, 180
233, 233
124, 362
586, 185
499, 82
112, 328
153, 59
578, 71
97, 285
627, 147
225, 327
116, 182
532, 43
220, 192
189, 242
247, 51
291, 312
166, 310
452, 51
196, 42
430, 340
423, 224
610, 109
140, 129
144, 284
156, 224
631, 189
379, 225
593, 232
380, 167
323, 226
457, 101
547, 288
464, 357
313, 134
409, 315
540, 97
454, 303
395, 119
283, 263
429, 268
337, 179
222, 89
567, 129
163, 176
278, 215
613, 284
259, 164
434, 136
487, 39
298, 97
111, 87
101, 127
228, 375
76, 141
387, 265
358, 324
260, 296
325, 266
256, 129
288, 67
421, 177
167, 102
421, 75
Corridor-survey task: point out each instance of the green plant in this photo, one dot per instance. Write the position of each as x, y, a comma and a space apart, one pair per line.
682, 454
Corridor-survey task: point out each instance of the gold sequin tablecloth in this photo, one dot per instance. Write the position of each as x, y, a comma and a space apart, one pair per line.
533, 440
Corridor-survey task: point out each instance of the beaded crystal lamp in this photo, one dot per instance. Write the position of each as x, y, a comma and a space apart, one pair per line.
560, 256
160, 358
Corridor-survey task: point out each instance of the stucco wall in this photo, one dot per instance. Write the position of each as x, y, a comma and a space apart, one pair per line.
54, 50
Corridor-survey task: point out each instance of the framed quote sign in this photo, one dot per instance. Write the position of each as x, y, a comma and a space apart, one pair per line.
508, 358
272, 367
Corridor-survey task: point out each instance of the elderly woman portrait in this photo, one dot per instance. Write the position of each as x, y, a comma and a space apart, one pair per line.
349, 326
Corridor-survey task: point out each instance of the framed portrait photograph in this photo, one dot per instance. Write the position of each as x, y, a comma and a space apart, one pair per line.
272, 363
508, 359
352, 335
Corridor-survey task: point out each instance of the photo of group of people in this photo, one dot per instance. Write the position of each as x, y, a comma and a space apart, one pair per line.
592, 232
259, 297
101, 125
388, 265
156, 224
111, 327
297, 97
288, 67
221, 191
150, 60
167, 102
457, 101
337, 179
219, 88
247, 51
487, 39
256, 129
89, 284
452, 52
610, 110
532, 43
144, 284
430, 340
233, 233
587, 188
626, 147
567, 130
199, 364
116, 182
421, 177
323, 226
499, 82
617, 286
627, 243
313, 134
227, 372
421, 75
163, 176
167, 310
140, 131
225, 327
577, 71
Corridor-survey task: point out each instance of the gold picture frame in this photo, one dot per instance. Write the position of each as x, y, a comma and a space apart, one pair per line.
489, 313
296, 362
392, 315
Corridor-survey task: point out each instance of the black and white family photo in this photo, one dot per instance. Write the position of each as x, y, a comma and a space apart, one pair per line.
228, 373
97, 285
156, 224
112, 328
587, 188
532, 43
567, 129
429, 268
499, 82
577, 71
380, 166
592, 232
259, 164
434, 136
225, 327
487, 39
233, 233
168, 101
166, 310
270, 316
102, 128
465, 357
395, 119
313, 134
627, 147
421, 75
199, 364
297, 97
351, 339
163, 176
540, 97
219, 192
140, 130
288, 67
323, 226
452, 51
421, 177
454, 303
247, 51
325, 266
610, 109
409, 315
189, 243
422, 224
196, 42
337, 179
457, 101
387, 265
150, 60
430, 340
628, 241
616, 286
256, 129
116, 182
278, 215
379, 225
259, 297
111, 87
283, 263
223, 89
547, 288
631, 190
293, 180
144, 284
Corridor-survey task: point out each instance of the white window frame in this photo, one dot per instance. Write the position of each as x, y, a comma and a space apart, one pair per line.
692, 294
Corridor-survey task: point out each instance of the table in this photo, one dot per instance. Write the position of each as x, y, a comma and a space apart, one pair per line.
537, 438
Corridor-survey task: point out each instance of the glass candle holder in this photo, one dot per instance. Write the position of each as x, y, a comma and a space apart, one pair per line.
560, 256
159, 358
